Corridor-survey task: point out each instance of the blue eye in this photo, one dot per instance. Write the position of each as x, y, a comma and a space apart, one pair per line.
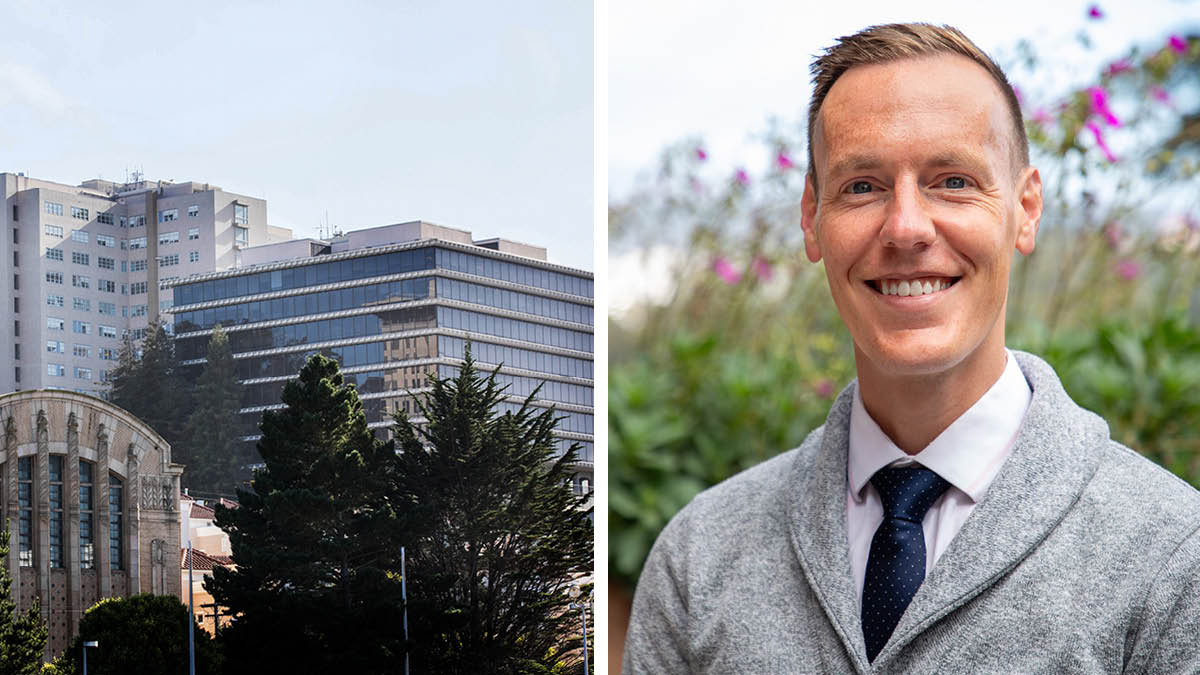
955, 182
860, 187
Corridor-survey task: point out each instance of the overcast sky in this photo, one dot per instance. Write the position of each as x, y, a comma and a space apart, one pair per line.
476, 115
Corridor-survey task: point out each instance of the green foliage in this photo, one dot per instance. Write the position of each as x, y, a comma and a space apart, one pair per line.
211, 445
148, 386
502, 537
143, 633
22, 634
315, 540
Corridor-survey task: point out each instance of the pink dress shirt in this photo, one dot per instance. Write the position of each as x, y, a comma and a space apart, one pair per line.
968, 454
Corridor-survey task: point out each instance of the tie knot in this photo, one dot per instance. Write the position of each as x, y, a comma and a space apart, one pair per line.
908, 492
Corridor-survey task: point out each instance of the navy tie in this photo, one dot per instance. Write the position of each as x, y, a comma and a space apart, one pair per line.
896, 566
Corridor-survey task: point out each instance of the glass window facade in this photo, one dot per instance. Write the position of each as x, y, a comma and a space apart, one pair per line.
116, 522
516, 273
25, 511
56, 510
514, 301
87, 544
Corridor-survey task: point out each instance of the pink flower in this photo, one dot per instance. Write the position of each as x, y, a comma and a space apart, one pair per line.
1128, 270
1178, 44
784, 161
742, 177
1161, 95
1042, 117
726, 271
1119, 66
1095, 13
1114, 235
824, 388
1020, 96
1100, 106
701, 154
1095, 129
762, 269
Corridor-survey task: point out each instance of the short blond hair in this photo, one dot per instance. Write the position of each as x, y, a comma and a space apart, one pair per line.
897, 41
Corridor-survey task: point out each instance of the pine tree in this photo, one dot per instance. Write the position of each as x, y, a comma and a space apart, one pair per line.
22, 634
315, 540
147, 384
211, 439
505, 534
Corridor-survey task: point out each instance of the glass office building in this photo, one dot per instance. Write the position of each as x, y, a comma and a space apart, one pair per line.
394, 305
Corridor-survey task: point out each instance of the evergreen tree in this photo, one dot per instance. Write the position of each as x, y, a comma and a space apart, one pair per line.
211, 438
505, 535
22, 634
147, 385
316, 585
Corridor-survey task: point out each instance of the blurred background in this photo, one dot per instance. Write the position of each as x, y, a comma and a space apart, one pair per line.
725, 347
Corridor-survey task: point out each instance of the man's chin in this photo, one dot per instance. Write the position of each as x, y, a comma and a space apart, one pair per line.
908, 358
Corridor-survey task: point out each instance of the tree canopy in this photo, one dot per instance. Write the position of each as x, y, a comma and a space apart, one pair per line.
211, 442
22, 634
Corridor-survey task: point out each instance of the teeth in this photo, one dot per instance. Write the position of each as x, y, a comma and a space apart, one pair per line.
916, 287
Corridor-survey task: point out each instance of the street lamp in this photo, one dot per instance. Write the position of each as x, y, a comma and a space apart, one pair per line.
581, 605
94, 644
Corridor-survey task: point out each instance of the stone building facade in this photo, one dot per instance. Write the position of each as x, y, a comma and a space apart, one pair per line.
91, 500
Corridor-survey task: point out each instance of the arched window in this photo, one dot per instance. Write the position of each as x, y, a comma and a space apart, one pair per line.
87, 542
56, 510
115, 523
25, 507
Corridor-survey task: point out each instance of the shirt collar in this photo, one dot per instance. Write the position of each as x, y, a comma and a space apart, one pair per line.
968, 454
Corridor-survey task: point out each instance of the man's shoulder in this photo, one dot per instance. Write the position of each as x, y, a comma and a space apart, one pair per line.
1130, 487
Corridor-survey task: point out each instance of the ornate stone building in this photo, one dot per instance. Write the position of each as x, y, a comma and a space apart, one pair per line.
91, 499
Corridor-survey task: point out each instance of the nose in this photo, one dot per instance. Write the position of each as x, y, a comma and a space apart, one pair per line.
907, 224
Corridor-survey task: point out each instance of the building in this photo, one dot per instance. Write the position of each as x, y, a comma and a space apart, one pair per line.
92, 500
393, 305
83, 264
210, 549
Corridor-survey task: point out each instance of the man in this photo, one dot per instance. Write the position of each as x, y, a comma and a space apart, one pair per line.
957, 512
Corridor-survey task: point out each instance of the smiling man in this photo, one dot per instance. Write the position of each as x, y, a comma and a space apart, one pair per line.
957, 512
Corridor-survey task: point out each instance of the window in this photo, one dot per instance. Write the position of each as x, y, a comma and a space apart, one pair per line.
54, 300
106, 240
137, 333
15, 217
54, 277
108, 308
168, 238
87, 545
108, 354
193, 233
105, 218
168, 215
54, 254
54, 208
80, 281
193, 256
16, 259
81, 214
83, 373
80, 258
168, 260
115, 501
80, 236
105, 263
25, 506
81, 327
193, 211
124, 246
17, 351
241, 236
137, 221
241, 214
139, 310
107, 285
56, 346
136, 243
54, 230
108, 331
137, 287
55, 324
82, 351
82, 304
55, 370
137, 265
56, 510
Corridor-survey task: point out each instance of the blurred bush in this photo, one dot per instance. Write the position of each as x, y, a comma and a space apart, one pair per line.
744, 359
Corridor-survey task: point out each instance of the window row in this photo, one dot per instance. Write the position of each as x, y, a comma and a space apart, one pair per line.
514, 357
80, 327
482, 266
579, 423
517, 385
309, 303
371, 382
56, 505
514, 301
514, 329
281, 365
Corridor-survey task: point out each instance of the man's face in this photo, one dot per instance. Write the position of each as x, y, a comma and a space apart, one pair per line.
920, 206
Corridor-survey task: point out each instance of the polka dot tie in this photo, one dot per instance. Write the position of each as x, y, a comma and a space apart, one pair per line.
896, 566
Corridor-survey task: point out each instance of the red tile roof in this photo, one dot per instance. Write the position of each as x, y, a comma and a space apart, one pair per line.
202, 561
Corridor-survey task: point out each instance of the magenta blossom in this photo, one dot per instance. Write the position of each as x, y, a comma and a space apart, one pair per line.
1178, 44
1095, 129
1095, 13
824, 388
1114, 234
726, 271
1160, 95
1119, 66
762, 269
701, 154
1043, 117
742, 177
1100, 106
1128, 270
784, 161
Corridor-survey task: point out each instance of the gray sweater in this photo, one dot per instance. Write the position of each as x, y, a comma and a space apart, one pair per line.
1083, 557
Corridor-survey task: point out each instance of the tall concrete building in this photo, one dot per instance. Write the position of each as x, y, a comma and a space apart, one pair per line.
393, 305
82, 264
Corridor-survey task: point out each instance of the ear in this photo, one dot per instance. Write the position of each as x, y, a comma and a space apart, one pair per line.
1030, 212
808, 220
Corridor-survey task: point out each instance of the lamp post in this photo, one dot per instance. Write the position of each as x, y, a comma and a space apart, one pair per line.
94, 644
581, 605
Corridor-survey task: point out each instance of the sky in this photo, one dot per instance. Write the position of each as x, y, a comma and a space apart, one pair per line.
474, 115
